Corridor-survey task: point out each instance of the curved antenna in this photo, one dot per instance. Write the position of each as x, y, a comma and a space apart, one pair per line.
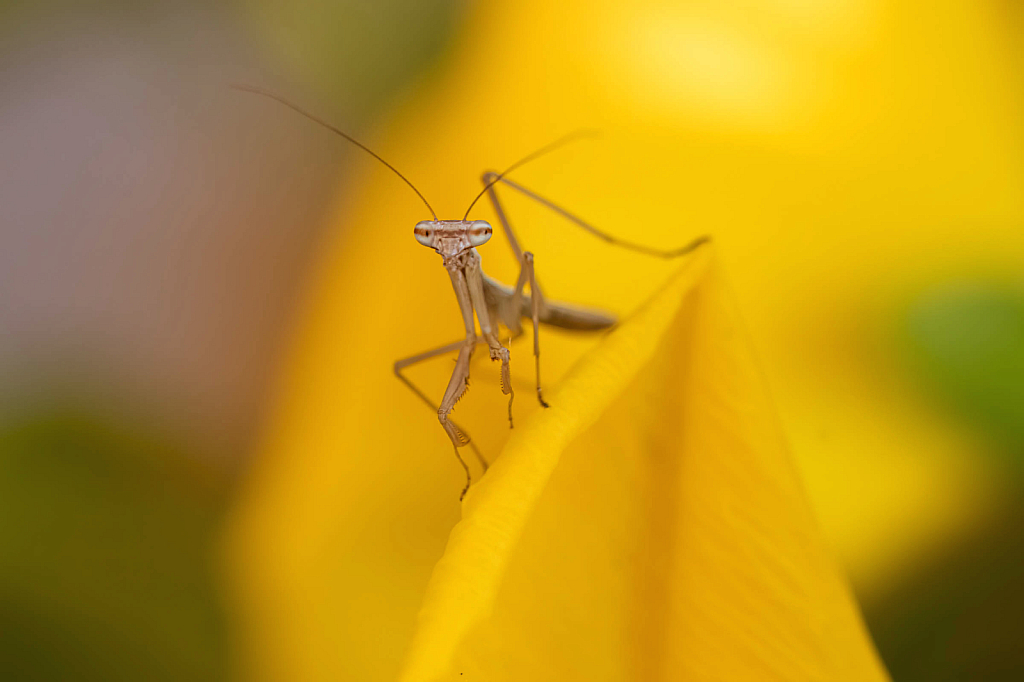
530, 157
325, 124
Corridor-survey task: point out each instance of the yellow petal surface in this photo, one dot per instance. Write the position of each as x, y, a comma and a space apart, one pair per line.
649, 526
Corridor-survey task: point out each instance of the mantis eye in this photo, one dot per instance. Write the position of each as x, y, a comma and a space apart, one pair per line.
424, 232
479, 232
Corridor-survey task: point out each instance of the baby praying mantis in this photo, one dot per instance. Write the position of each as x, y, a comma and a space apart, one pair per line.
492, 302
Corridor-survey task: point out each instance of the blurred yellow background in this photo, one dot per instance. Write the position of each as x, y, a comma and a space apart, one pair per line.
181, 270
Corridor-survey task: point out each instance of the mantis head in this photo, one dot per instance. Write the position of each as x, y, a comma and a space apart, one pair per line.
452, 237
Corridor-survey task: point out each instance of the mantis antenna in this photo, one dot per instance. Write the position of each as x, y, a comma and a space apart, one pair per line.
325, 124
571, 137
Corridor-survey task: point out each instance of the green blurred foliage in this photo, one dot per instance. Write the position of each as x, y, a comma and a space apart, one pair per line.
959, 617
106, 556
967, 344
356, 53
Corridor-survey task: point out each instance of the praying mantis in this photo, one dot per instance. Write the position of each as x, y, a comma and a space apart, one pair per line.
492, 302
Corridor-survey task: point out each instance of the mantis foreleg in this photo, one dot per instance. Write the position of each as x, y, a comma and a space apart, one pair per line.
426, 355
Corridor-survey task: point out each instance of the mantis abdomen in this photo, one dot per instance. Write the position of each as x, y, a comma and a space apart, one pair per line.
555, 313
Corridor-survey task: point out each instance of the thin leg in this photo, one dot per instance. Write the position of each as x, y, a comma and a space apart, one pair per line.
469, 479
491, 177
426, 355
457, 386
537, 306
527, 273
488, 179
475, 284
459, 381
